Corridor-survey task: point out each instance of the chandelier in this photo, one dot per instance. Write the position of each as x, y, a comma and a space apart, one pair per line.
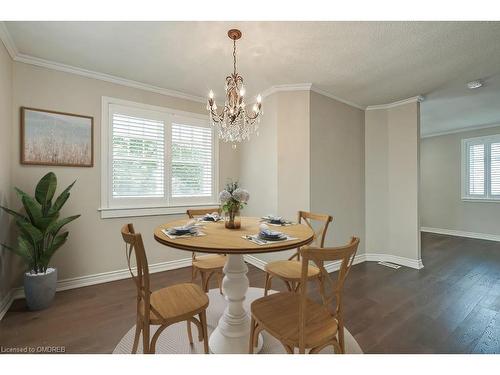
233, 122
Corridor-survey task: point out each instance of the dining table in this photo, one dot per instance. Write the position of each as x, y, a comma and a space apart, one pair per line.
232, 332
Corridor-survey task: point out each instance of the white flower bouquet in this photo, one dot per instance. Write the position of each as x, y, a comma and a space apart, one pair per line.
233, 199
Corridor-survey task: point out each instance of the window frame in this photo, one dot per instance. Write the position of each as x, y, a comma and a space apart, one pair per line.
466, 143
128, 207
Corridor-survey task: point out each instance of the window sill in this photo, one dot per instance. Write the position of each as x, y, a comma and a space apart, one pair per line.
117, 212
481, 200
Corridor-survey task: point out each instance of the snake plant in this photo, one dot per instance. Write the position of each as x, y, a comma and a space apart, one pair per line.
39, 225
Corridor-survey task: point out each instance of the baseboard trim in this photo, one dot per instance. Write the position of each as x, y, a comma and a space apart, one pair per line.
402, 261
105, 277
459, 233
6, 302
360, 258
99, 278
254, 261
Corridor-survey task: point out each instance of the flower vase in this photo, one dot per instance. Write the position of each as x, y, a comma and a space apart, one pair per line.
233, 219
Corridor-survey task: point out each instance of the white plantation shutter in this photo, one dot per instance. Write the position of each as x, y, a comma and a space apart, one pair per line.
138, 149
481, 163
495, 168
192, 161
155, 160
476, 169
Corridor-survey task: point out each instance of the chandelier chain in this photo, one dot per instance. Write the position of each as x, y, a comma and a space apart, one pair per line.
234, 55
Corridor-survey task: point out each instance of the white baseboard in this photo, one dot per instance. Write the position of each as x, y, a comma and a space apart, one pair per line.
254, 261
460, 233
99, 278
334, 266
402, 261
6, 302
105, 277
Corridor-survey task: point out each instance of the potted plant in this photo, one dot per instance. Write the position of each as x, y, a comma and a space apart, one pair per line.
39, 237
233, 199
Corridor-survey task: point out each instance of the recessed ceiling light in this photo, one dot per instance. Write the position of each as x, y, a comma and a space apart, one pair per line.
475, 84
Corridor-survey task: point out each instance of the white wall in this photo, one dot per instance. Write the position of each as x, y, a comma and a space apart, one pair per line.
94, 244
441, 203
293, 148
391, 183
337, 168
308, 156
258, 167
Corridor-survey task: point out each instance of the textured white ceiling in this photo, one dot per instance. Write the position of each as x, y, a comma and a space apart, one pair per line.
366, 63
454, 107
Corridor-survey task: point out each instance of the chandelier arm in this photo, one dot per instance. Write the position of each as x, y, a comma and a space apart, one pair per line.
218, 118
250, 117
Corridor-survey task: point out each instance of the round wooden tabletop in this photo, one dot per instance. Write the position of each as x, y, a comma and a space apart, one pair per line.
220, 240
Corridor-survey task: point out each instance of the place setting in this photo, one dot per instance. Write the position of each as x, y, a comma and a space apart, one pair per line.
267, 236
276, 221
190, 229
213, 217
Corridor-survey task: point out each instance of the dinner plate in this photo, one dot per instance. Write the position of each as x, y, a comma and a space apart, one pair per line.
276, 237
180, 232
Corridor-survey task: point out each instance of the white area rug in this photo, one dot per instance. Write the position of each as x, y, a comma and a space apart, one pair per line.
174, 339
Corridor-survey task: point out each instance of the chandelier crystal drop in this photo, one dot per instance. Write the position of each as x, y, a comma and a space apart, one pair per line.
233, 122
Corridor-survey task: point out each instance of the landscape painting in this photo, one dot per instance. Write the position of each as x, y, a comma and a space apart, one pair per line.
56, 138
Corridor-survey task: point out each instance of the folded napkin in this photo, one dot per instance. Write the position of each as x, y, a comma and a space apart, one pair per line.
213, 217
276, 220
259, 241
264, 230
172, 236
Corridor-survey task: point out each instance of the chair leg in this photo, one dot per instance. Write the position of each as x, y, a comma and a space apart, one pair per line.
336, 347
190, 333
252, 334
145, 338
204, 281
138, 329
341, 338
203, 321
219, 281
194, 272
267, 286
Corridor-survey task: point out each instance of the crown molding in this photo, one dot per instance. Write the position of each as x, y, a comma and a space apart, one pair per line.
417, 99
105, 77
290, 87
331, 96
7, 41
460, 130
36, 61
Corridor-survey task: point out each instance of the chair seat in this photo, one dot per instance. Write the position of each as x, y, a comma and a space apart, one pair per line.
290, 269
278, 314
209, 262
177, 302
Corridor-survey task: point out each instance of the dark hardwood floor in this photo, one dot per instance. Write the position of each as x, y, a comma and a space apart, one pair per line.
450, 306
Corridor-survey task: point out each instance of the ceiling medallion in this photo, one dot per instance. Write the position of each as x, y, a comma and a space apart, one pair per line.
233, 122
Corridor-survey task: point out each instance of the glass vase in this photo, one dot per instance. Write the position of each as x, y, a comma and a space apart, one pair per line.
233, 219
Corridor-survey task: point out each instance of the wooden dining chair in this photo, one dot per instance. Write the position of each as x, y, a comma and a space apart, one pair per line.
163, 307
206, 265
296, 320
290, 270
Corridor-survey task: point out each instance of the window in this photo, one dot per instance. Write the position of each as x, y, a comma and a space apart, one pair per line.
158, 160
481, 168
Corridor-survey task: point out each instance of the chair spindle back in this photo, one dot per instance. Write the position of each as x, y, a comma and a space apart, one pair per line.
319, 256
309, 218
